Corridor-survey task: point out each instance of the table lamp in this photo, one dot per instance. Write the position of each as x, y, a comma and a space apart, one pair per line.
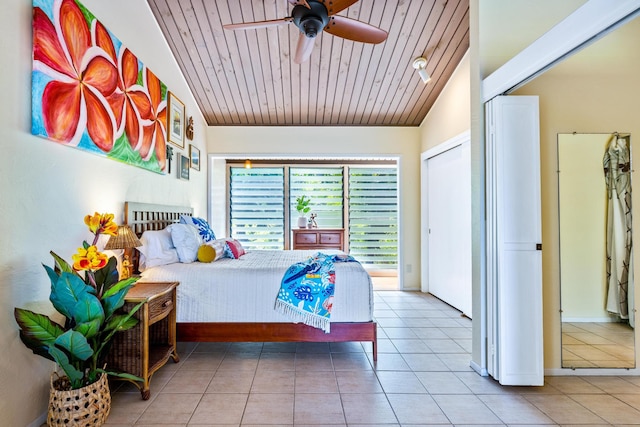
125, 239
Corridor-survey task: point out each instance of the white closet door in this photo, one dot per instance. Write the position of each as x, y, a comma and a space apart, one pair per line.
449, 227
514, 260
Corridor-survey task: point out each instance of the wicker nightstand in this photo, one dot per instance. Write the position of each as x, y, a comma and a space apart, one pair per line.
144, 349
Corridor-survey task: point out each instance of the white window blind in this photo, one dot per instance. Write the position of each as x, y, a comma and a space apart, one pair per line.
373, 216
259, 202
257, 207
324, 186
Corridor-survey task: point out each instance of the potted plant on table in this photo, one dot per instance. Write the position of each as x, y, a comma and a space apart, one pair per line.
302, 206
89, 303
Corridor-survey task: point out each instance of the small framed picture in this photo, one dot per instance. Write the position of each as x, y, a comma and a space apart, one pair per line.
183, 167
194, 155
175, 120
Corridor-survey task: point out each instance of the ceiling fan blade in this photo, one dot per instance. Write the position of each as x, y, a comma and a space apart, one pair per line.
355, 30
336, 6
304, 48
300, 3
259, 24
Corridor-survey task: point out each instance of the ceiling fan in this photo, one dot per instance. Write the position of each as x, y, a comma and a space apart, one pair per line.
314, 16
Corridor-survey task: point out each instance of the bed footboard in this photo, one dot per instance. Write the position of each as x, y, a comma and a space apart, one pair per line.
278, 332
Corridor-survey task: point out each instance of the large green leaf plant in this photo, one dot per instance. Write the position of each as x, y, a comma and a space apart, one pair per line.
89, 303
302, 205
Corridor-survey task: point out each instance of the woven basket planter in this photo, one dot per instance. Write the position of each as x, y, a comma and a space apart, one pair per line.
88, 406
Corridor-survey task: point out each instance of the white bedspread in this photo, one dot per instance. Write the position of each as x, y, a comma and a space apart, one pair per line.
244, 290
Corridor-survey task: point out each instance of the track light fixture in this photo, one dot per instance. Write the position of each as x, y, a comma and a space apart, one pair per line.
420, 64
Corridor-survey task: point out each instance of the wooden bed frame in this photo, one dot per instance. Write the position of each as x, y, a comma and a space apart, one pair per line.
144, 216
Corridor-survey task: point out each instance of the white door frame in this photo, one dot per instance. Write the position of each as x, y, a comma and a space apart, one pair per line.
464, 137
587, 24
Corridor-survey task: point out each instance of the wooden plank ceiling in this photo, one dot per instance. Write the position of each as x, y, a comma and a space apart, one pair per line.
249, 77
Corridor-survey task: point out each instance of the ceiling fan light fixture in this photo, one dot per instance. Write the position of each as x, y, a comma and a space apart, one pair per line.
420, 64
315, 16
312, 26
310, 19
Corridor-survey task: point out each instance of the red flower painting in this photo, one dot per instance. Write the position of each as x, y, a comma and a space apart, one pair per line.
129, 100
90, 91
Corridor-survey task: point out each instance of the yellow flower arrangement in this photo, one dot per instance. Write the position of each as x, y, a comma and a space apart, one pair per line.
101, 224
88, 258
90, 304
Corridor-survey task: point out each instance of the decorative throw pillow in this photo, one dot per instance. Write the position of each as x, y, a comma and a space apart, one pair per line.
215, 248
186, 240
219, 245
235, 248
206, 253
227, 251
203, 227
157, 249
222, 250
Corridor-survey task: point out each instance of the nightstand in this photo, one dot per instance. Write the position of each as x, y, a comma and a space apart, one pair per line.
318, 238
145, 348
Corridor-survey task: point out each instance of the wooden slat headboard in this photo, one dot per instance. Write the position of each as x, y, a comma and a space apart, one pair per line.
148, 216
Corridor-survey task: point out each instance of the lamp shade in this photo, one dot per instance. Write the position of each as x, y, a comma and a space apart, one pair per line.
125, 239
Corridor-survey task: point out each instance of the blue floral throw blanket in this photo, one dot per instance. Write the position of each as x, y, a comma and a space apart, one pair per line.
306, 290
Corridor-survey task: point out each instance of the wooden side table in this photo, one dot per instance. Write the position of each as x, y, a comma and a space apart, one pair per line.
318, 238
145, 348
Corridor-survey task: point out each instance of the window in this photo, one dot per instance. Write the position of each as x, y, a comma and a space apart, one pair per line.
257, 207
324, 186
373, 216
361, 198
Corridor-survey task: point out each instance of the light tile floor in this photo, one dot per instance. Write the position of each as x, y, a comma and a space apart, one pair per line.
597, 345
384, 283
422, 378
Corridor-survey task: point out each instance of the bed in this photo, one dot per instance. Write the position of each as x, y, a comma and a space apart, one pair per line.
212, 306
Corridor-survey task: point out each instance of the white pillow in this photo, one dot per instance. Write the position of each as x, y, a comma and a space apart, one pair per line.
157, 249
186, 240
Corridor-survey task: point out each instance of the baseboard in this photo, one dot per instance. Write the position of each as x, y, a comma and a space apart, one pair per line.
593, 372
590, 320
479, 370
42, 419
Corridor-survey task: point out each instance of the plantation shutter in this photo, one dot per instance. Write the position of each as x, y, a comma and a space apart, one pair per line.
324, 186
373, 216
257, 207
258, 198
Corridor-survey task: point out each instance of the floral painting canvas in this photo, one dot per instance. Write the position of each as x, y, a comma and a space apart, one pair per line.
89, 91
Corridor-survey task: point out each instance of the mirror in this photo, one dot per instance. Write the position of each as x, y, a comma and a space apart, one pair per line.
594, 178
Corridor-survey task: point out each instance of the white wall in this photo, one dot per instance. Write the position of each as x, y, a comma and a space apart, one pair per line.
47, 189
451, 113
478, 351
352, 142
449, 118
